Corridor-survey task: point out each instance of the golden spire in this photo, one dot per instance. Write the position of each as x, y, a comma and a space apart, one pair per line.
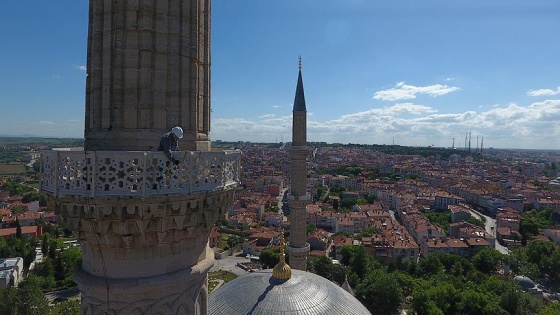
282, 270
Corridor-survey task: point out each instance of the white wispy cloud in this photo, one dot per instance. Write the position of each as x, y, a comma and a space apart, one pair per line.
511, 125
403, 91
45, 123
80, 67
544, 92
276, 106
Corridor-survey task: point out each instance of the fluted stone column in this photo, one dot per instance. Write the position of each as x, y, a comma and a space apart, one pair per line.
148, 68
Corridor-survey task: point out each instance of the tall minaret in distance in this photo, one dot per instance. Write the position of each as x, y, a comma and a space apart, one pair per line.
298, 248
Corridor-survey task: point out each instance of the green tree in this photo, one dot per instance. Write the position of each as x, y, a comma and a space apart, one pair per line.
324, 267
514, 301
8, 300
45, 270
64, 266
70, 308
534, 220
360, 261
321, 265
439, 218
53, 246
539, 252
45, 244
30, 196
311, 228
431, 265
488, 260
554, 264
405, 281
269, 258
234, 240
31, 300
550, 309
18, 228
380, 293
444, 294
473, 301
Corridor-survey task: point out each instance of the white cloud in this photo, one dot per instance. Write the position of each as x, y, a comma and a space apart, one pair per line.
544, 92
512, 125
45, 123
80, 67
276, 106
402, 91
56, 76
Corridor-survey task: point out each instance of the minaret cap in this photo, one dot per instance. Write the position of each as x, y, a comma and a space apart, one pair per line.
299, 101
282, 270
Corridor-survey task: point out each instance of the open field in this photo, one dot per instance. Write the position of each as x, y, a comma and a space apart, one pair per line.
218, 278
9, 169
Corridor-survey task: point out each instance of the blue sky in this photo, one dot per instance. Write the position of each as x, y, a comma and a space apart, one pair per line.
418, 72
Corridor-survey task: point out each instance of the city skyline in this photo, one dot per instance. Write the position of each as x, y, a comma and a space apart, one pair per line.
415, 74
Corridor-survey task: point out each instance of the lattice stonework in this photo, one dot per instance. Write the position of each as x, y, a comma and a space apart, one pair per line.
135, 173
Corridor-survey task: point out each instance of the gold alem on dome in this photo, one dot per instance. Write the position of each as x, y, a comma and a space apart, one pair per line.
282, 270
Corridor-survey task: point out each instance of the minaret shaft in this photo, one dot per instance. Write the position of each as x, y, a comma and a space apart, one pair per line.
143, 222
148, 69
298, 248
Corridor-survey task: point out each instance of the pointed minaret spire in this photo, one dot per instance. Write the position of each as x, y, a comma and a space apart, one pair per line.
299, 101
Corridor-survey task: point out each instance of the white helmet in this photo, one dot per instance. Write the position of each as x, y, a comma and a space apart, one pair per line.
178, 132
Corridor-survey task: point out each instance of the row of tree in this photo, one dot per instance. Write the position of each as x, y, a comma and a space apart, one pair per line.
438, 284
54, 272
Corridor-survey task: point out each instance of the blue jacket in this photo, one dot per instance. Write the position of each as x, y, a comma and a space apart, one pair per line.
167, 144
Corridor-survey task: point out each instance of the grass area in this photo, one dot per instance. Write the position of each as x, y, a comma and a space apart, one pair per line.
12, 168
56, 309
223, 241
215, 277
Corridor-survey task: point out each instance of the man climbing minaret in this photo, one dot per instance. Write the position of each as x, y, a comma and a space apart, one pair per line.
298, 248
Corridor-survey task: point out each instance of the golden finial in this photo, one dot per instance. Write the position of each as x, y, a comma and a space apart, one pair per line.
282, 270
299, 63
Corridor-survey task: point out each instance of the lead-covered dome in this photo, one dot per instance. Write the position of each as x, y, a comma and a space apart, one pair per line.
304, 293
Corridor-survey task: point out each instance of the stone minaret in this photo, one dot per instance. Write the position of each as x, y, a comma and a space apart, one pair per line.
148, 67
142, 222
298, 248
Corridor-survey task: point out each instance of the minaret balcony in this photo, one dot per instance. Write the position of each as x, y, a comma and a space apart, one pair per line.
306, 197
137, 174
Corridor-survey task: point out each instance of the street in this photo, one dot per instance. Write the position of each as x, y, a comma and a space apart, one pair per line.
230, 264
490, 227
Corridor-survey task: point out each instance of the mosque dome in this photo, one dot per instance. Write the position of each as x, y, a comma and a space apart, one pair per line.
303, 293
524, 282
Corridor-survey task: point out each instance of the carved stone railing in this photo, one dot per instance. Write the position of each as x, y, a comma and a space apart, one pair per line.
136, 173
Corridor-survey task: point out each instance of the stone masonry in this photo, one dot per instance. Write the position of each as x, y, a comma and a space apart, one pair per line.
148, 67
142, 222
298, 248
